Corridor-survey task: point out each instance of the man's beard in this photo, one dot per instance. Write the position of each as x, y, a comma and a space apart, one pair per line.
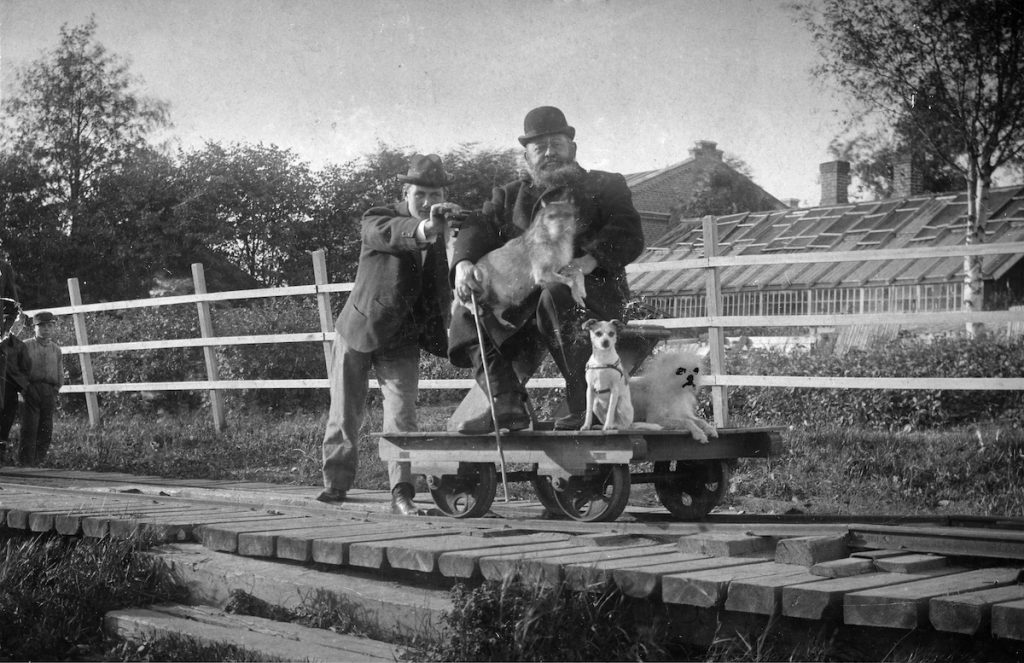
553, 173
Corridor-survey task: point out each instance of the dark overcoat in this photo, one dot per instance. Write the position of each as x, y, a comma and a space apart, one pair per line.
9, 291
401, 293
608, 228
8, 288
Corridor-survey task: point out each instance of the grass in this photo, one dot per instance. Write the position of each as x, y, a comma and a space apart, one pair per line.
514, 621
976, 470
176, 648
55, 591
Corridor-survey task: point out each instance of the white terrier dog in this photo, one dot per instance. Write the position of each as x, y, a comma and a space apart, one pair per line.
607, 382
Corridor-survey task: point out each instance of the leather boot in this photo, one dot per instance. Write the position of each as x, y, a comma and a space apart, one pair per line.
401, 500
571, 360
510, 411
571, 421
332, 496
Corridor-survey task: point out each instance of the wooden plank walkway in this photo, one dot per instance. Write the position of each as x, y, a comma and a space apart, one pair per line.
895, 577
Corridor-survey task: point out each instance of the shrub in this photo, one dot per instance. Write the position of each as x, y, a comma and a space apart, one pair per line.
159, 365
288, 361
950, 358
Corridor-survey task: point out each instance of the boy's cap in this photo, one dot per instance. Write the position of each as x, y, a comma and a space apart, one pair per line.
43, 317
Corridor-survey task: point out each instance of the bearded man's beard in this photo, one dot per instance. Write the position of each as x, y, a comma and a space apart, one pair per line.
552, 173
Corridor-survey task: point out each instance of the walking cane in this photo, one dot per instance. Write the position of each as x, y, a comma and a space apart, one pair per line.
490, 396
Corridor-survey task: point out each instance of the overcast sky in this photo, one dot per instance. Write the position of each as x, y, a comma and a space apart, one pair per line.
641, 80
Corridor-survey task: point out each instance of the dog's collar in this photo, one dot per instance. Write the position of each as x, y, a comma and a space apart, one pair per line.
616, 366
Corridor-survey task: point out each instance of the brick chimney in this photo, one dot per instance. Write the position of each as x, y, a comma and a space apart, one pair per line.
706, 149
835, 180
792, 203
907, 179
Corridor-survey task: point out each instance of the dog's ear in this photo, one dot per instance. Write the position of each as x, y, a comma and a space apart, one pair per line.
618, 324
588, 324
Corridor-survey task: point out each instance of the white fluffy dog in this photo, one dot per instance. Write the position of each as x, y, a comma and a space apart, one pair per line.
666, 393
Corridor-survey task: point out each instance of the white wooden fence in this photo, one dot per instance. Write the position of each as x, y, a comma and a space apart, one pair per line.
714, 322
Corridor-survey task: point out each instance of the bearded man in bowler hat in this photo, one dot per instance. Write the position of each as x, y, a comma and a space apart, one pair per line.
608, 237
400, 303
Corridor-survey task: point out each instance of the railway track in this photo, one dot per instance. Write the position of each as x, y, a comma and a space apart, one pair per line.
953, 574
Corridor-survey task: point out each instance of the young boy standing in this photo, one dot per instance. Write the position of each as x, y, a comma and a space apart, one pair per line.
46, 377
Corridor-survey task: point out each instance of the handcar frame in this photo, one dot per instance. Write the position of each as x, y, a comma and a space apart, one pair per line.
582, 475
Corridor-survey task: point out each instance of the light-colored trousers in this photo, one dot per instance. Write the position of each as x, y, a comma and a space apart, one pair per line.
397, 372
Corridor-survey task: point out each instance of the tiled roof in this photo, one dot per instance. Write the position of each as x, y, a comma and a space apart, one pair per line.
665, 189
928, 220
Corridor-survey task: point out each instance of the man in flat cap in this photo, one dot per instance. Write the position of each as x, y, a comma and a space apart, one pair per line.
45, 379
608, 237
401, 302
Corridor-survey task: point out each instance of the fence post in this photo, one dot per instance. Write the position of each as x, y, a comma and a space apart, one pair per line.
323, 302
92, 402
716, 339
209, 354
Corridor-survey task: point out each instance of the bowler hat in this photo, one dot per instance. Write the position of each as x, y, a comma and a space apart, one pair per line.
426, 171
543, 121
43, 317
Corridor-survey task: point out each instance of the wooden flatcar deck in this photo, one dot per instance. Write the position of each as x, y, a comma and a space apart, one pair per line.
958, 579
615, 446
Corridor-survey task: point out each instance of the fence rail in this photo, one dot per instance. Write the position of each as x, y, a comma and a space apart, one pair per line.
715, 321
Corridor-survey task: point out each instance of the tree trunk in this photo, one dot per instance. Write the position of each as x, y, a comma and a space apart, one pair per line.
979, 187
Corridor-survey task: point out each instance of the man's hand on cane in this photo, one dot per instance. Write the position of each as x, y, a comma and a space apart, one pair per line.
466, 283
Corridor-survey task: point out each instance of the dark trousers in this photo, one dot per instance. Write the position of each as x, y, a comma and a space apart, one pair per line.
8, 410
549, 319
37, 422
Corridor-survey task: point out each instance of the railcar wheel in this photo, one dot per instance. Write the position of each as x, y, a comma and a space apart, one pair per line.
596, 497
694, 488
468, 494
546, 496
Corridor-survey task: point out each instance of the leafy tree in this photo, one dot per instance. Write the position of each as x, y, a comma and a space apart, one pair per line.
962, 60
252, 203
30, 234
75, 114
477, 171
873, 155
724, 189
129, 222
